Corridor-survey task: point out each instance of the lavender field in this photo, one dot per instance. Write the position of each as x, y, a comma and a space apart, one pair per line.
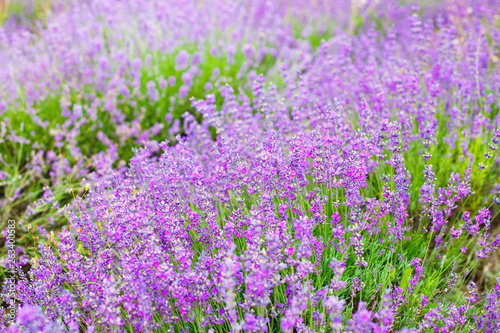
250, 166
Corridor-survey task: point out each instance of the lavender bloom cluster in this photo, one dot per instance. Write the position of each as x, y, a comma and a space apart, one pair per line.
356, 192
100, 77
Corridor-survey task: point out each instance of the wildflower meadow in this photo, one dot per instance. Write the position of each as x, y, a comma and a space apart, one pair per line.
250, 166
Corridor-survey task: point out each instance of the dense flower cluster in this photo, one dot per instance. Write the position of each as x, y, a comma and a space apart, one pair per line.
32, 319
356, 192
100, 77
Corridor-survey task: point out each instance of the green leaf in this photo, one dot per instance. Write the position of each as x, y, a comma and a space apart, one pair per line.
405, 281
392, 274
432, 305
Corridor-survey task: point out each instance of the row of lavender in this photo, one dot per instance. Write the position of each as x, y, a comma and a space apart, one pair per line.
358, 194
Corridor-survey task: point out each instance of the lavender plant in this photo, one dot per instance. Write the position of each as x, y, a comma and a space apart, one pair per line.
357, 193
